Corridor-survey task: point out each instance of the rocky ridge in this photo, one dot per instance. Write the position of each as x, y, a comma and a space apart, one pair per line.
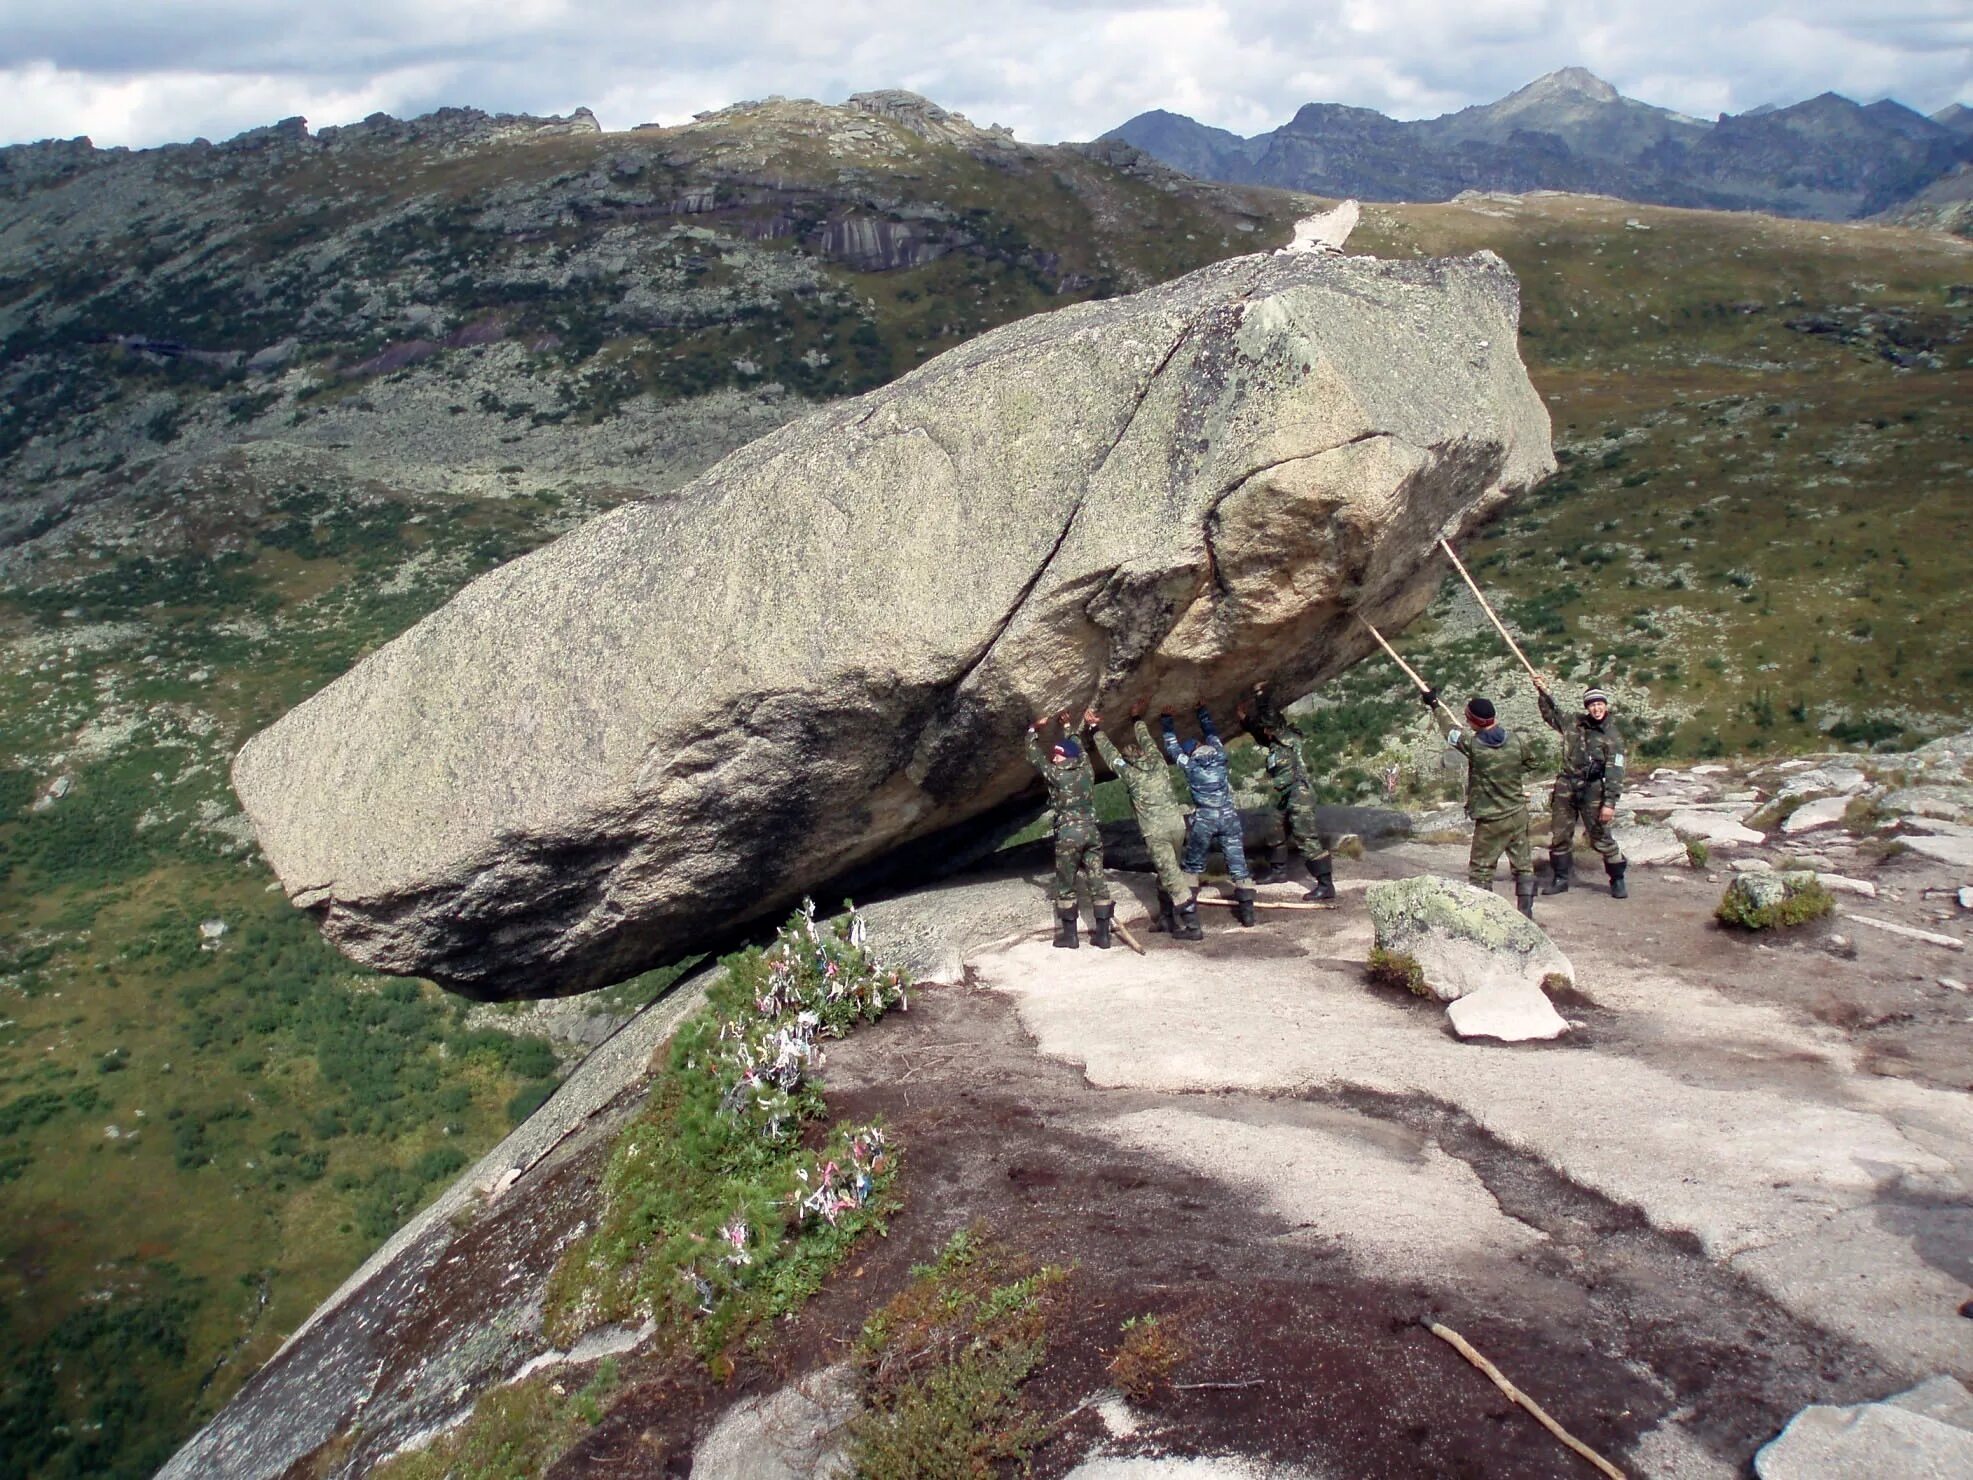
1826, 157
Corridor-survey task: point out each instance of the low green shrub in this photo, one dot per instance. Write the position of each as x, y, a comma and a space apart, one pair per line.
1396, 969
1773, 901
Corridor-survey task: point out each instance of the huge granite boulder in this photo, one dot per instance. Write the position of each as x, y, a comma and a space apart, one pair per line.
691, 710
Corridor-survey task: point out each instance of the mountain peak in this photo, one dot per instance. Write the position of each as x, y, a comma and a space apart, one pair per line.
1570, 82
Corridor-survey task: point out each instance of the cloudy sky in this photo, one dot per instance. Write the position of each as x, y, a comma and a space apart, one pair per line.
142, 72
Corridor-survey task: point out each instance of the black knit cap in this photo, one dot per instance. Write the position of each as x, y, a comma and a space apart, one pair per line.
1480, 708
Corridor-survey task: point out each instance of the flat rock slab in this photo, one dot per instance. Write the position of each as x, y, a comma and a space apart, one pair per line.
795, 1433
1822, 812
1945, 849
1720, 828
692, 710
1652, 845
1923, 1434
1513, 1014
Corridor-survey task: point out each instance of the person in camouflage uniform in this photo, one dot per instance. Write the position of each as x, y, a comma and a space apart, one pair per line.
1071, 785
1293, 825
1497, 763
1216, 820
1586, 788
1147, 778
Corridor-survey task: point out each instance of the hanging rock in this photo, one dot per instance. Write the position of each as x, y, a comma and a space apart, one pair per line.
685, 714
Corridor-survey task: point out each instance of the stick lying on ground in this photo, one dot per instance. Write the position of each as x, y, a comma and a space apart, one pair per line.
1127, 938
1459, 1344
1409, 671
1266, 904
1474, 586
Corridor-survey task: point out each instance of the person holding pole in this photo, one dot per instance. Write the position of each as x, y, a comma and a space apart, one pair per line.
1586, 788
1497, 765
1292, 825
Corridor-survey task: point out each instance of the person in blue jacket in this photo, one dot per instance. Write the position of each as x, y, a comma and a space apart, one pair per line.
1216, 820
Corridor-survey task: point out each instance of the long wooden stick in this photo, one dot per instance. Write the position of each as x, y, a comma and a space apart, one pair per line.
1128, 939
1266, 904
1409, 672
1505, 636
1465, 1349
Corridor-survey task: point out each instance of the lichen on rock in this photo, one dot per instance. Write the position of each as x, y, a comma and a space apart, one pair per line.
1472, 949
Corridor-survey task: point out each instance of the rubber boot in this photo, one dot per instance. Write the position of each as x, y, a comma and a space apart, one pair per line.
1618, 889
1065, 927
1524, 895
1276, 871
1324, 871
1561, 864
1243, 903
1161, 917
1188, 920
1099, 925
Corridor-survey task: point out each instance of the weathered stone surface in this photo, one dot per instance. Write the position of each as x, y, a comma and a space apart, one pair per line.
1653, 845
1822, 812
690, 711
794, 1433
1514, 1014
1921, 1434
1466, 941
1718, 828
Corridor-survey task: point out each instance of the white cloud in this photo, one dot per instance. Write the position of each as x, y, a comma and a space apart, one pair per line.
147, 71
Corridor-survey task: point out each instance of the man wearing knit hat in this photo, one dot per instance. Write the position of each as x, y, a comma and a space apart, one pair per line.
1586, 788
1497, 765
1071, 783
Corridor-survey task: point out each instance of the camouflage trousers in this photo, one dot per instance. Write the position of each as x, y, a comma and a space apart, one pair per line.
1294, 827
1493, 836
1079, 855
1164, 835
1564, 810
1219, 825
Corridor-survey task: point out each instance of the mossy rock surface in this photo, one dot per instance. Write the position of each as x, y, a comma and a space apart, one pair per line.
1774, 901
1462, 938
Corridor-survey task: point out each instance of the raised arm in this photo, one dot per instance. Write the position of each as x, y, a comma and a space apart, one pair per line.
1112, 757
1037, 755
1207, 728
1170, 732
1145, 743
1550, 714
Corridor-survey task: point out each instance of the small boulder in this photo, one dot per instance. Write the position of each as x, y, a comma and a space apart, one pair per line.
1766, 901
1472, 949
1714, 828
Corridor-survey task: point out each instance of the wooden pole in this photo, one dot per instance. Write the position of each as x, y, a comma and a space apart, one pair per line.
1409, 672
1266, 904
1513, 646
1459, 1344
1128, 939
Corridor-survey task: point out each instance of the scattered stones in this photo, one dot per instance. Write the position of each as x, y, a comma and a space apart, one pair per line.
211, 932
1751, 866
1965, 898
1844, 885
1954, 984
57, 789
1922, 1433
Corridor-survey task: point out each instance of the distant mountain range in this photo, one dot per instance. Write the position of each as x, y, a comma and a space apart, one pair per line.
1828, 157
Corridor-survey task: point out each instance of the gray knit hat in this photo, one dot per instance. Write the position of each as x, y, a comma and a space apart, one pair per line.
1594, 696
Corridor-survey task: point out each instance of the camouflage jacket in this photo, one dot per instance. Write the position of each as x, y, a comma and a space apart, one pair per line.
1288, 777
1147, 779
1495, 772
1592, 754
1204, 764
1071, 787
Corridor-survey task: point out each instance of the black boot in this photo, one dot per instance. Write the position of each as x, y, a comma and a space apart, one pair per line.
1161, 916
1065, 927
1324, 871
1524, 895
1243, 903
1170, 921
1618, 889
1099, 926
1188, 920
1276, 871
1561, 863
